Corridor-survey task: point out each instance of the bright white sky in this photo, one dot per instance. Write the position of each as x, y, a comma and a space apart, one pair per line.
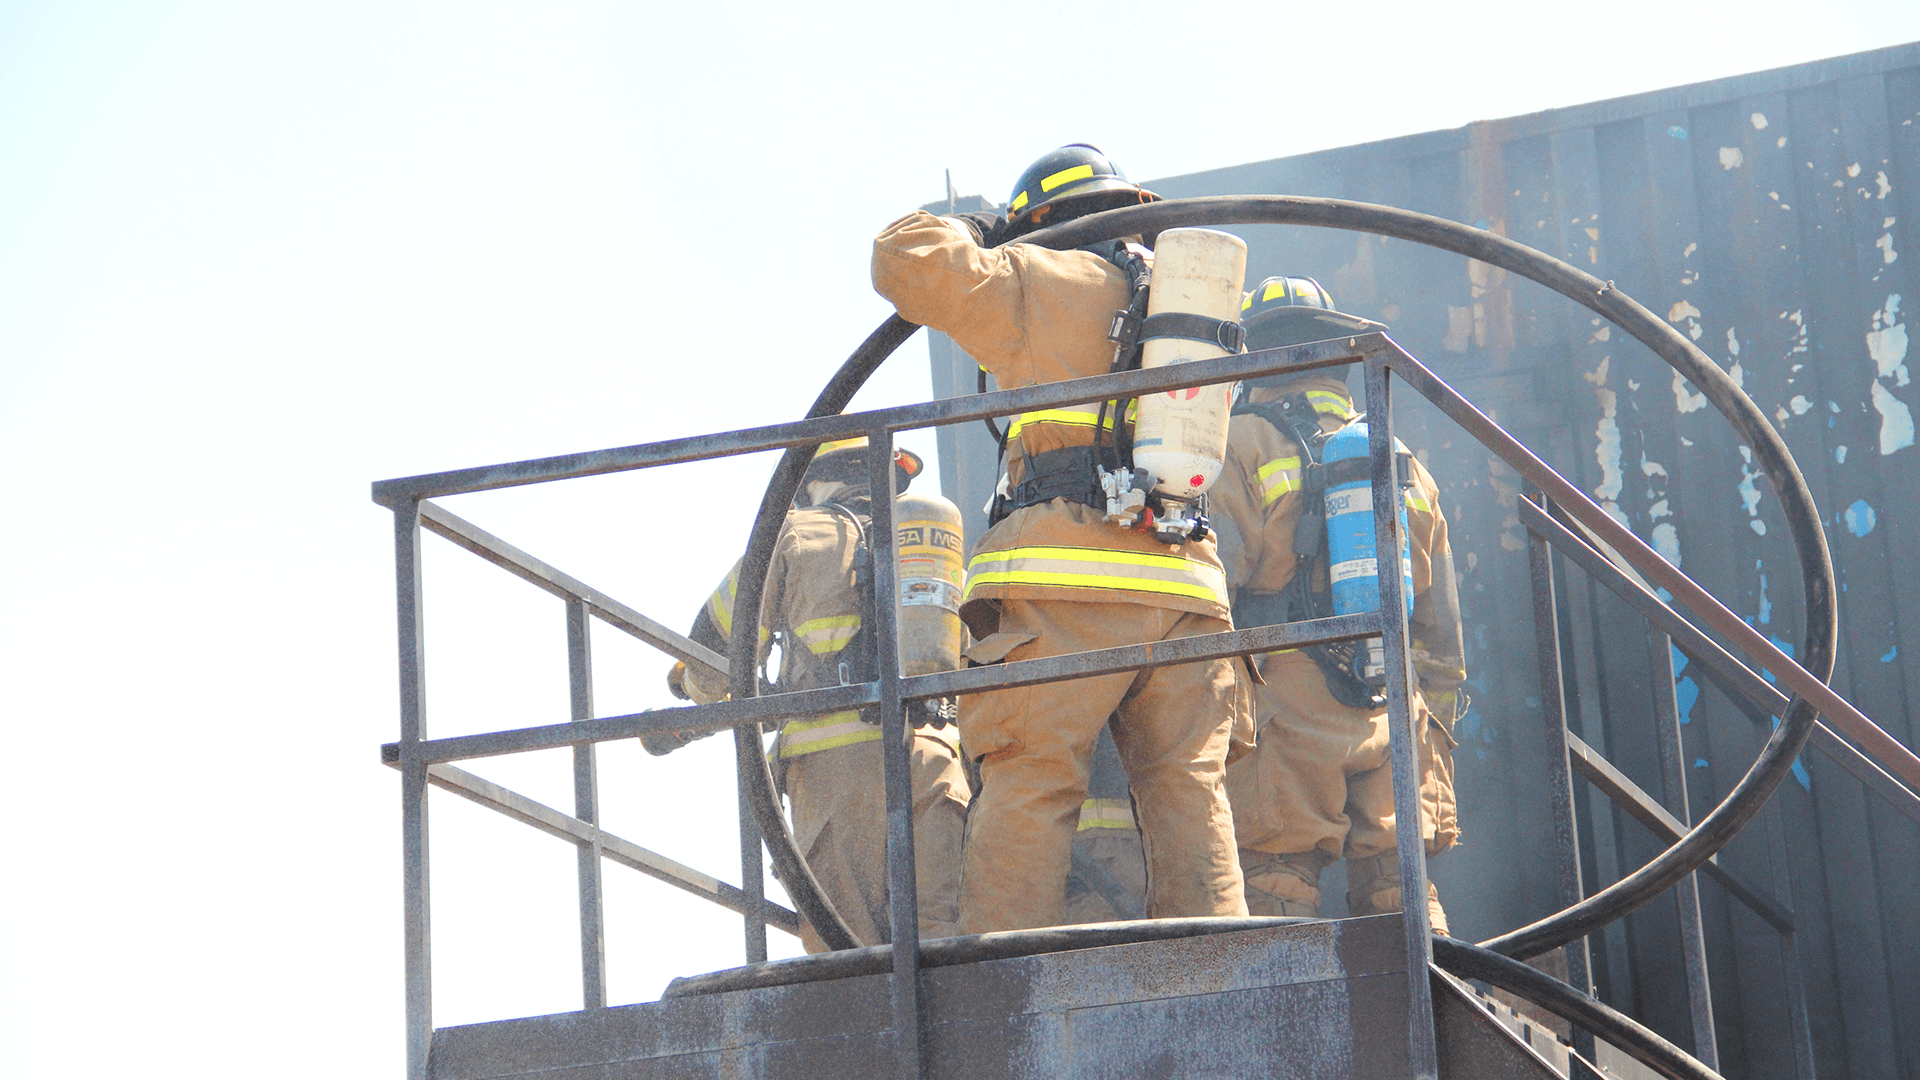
256, 255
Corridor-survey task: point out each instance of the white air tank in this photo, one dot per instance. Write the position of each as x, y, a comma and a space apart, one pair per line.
1180, 436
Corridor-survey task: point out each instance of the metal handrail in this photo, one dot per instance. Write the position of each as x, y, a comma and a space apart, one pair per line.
406, 496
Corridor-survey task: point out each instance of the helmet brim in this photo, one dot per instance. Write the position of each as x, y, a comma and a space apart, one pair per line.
1282, 326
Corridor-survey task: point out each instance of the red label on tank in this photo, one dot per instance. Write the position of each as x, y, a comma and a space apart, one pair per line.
1188, 394
1196, 481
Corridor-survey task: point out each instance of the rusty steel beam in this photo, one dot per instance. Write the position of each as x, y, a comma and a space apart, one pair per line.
467, 535
848, 425
1642, 807
625, 852
1726, 670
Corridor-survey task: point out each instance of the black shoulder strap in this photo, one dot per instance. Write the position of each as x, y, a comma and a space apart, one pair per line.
1293, 415
1125, 335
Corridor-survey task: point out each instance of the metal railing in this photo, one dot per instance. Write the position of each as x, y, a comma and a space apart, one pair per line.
424, 761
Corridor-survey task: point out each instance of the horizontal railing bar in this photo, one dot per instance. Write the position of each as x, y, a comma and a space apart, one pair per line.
1727, 671
847, 425
695, 719
467, 535
706, 719
625, 852
1642, 808
1896, 757
1153, 654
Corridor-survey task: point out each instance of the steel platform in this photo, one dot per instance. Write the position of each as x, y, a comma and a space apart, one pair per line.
1324, 1000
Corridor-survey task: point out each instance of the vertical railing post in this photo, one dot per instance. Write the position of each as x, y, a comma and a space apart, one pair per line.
753, 879
1792, 974
1560, 793
903, 906
1686, 894
416, 910
753, 875
586, 807
1423, 1059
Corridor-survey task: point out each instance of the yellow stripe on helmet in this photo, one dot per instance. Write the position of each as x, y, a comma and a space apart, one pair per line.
1066, 176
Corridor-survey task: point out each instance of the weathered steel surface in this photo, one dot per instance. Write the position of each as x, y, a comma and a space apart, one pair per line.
1767, 216
1325, 999
1472, 1043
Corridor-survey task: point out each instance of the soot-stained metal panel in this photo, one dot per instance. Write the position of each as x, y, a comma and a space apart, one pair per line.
1766, 216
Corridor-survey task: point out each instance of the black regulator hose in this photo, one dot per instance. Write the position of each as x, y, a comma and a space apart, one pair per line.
1770, 450
1617, 1028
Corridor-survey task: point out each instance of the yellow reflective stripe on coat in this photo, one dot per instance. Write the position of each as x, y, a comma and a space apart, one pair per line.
1098, 568
1332, 403
828, 634
1106, 814
1071, 415
1415, 502
720, 604
835, 729
1277, 477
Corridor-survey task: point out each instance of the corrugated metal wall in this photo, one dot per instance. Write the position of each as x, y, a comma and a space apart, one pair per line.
1766, 216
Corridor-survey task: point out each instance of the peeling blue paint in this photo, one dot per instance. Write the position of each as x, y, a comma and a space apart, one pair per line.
1860, 517
1677, 131
1892, 654
1679, 659
1699, 763
1766, 605
1686, 694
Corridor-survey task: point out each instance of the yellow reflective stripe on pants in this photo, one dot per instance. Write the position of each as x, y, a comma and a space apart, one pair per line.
1097, 568
1106, 814
1277, 477
835, 729
828, 634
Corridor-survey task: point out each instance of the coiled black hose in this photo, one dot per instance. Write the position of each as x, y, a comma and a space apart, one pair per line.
743, 647
1770, 450
1647, 1047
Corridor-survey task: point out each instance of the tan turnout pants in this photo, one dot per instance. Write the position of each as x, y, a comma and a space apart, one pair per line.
1320, 780
840, 824
1035, 745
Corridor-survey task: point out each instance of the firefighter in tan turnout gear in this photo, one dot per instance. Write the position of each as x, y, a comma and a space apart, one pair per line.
1052, 576
1319, 784
815, 608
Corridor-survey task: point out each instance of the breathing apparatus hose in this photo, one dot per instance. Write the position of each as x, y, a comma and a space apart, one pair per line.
1746, 799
